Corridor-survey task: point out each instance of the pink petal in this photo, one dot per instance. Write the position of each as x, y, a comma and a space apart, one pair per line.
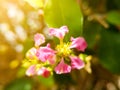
39, 39
59, 32
64, 29
76, 62
78, 43
62, 68
46, 53
52, 59
31, 70
31, 54
44, 72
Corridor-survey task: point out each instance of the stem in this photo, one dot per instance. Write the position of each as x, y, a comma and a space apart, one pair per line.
61, 41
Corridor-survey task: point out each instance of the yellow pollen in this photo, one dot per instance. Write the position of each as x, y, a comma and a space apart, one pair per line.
63, 49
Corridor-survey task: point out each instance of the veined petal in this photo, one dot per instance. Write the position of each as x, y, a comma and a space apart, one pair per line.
62, 68
59, 32
39, 39
46, 53
76, 62
31, 70
79, 43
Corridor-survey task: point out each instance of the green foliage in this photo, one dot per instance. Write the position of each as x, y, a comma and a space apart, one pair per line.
113, 17
20, 84
117, 2
109, 50
64, 12
46, 81
91, 34
105, 43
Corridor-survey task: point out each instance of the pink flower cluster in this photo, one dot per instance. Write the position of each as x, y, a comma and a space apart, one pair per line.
62, 59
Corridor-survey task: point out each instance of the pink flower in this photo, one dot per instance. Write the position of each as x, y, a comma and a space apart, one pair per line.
59, 32
44, 72
62, 68
76, 62
31, 70
46, 53
39, 39
31, 54
78, 43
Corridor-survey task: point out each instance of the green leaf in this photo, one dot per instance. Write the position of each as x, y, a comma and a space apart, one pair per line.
20, 84
91, 34
64, 12
109, 50
113, 17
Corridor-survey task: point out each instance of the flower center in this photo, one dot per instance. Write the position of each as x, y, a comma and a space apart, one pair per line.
63, 49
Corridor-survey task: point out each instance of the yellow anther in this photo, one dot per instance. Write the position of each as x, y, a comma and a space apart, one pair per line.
63, 49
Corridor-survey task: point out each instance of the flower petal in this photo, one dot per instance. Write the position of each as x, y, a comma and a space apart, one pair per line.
31, 70
31, 54
76, 62
46, 53
79, 43
44, 72
62, 68
39, 39
59, 32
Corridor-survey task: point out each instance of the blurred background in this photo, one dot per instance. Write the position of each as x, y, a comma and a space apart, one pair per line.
18, 24
21, 19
